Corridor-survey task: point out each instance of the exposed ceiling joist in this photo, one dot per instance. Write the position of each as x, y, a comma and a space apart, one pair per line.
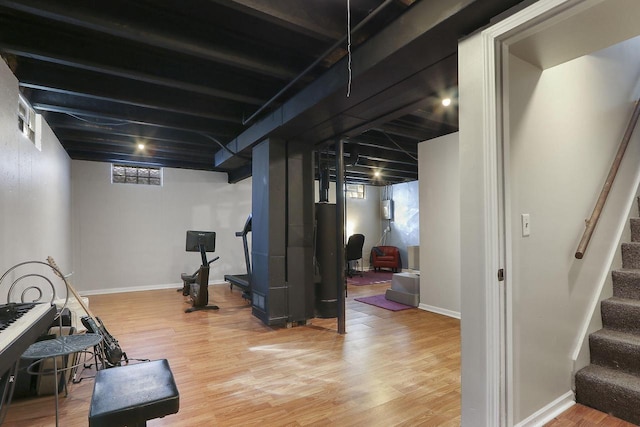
73, 13
130, 94
102, 112
124, 61
375, 59
309, 18
187, 78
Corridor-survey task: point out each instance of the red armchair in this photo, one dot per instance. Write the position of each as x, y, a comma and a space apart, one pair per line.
386, 257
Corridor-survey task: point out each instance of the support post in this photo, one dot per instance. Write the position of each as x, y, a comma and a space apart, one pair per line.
340, 255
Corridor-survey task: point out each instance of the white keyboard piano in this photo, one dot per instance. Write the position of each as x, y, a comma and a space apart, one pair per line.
23, 332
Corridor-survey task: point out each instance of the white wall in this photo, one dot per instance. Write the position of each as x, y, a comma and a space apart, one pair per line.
129, 237
440, 225
475, 343
34, 189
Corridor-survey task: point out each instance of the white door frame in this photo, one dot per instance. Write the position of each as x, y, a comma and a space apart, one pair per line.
495, 139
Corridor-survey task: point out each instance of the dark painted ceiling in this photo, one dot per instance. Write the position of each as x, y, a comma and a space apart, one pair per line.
200, 82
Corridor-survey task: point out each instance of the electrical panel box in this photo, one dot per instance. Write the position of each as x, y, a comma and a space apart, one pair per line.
387, 209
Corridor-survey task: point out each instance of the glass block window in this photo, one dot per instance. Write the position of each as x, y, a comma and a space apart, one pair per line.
26, 119
145, 175
354, 191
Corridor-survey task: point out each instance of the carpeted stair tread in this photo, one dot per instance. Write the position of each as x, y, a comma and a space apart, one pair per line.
616, 350
635, 229
621, 314
626, 283
631, 255
611, 383
610, 391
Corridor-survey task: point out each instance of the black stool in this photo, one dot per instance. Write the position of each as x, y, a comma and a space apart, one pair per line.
132, 394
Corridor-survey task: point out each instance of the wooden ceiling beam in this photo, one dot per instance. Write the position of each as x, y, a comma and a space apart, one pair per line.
64, 123
81, 16
47, 46
98, 114
49, 81
309, 18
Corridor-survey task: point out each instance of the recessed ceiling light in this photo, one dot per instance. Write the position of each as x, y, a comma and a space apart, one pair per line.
446, 102
141, 146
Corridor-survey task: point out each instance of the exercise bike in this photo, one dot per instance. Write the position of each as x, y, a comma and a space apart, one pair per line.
196, 285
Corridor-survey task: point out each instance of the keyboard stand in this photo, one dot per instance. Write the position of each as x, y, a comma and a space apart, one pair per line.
8, 384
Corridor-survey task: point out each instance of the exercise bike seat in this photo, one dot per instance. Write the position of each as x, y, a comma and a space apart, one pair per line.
187, 281
189, 278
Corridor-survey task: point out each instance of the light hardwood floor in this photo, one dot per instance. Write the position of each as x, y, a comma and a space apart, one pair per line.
583, 416
390, 369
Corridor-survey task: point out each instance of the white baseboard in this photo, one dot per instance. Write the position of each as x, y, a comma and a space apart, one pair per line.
438, 310
143, 288
549, 412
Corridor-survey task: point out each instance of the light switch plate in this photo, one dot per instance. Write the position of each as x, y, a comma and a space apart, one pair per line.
526, 225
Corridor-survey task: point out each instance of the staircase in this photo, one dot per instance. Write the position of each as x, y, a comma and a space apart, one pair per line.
611, 383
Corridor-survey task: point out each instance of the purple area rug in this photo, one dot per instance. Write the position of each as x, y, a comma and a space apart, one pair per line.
382, 302
370, 277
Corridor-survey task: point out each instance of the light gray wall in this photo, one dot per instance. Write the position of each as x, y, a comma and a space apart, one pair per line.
440, 225
566, 125
129, 237
34, 189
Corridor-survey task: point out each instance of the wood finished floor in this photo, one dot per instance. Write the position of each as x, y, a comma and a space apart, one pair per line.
583, 416
390, 369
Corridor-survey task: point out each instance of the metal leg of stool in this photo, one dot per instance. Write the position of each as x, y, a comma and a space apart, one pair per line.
63, 378
55, 385
96, 349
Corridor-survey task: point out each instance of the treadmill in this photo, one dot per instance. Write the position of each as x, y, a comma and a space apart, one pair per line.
242, 281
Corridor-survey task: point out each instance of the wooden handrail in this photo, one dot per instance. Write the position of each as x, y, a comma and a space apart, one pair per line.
597, 210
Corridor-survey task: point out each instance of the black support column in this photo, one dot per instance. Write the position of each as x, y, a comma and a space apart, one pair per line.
282, 232
300, 249
268, 232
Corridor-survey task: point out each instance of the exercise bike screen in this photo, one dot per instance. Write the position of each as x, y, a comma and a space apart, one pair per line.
197, 238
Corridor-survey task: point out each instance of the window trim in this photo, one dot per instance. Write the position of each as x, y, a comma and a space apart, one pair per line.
27, 121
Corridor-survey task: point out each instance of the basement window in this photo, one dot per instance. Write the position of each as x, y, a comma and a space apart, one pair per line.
27, 121
145, 175
354, 191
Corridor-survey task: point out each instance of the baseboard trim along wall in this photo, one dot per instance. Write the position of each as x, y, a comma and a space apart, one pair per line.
142, 288
549, 412
438, 310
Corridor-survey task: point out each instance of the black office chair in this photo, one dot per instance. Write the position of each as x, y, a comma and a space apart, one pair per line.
354, 252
